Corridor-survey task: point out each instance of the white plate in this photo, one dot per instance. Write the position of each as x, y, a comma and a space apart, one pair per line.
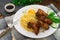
24, 32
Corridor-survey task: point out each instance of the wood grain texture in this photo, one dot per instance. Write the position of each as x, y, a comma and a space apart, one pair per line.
55, 2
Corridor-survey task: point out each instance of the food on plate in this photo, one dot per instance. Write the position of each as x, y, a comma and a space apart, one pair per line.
44, 25
41, 13
28, 17
35, 21
45, 19
31, 11
34, 27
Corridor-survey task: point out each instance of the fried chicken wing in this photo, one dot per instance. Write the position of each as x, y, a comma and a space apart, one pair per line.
46, 20
34, 27
41, 13
44, 25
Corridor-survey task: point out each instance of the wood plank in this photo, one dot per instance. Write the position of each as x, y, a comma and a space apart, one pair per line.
47, 2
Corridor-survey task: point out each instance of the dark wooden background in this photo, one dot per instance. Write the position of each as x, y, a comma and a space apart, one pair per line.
44, 2
55, 2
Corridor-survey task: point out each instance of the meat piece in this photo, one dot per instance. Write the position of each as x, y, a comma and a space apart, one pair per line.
34, 27
30, 24
41, 13
44, 25
38, 14
46, 20
42, 18
38, 24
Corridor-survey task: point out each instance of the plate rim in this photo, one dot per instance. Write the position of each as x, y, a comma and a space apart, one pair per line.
26, 35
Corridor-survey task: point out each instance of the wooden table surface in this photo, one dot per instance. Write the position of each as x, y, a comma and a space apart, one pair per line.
55, 2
